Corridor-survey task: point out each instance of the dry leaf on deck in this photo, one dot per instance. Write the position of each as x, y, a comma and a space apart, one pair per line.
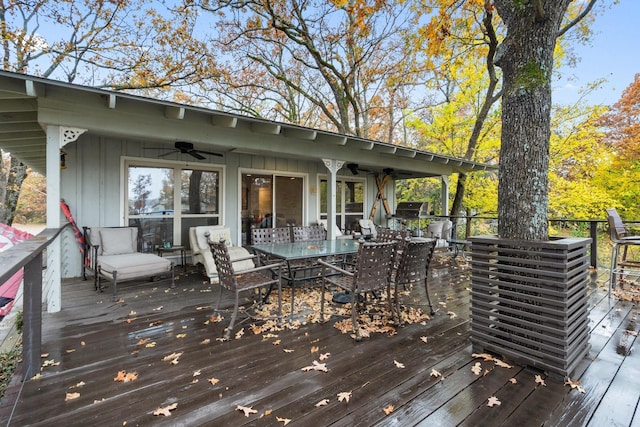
435, 373
574, 384
317, 366
173, 358
513, 381
143, 341
424, 339
181, 335
276, 342
288, 350
388, 409
196, 373
493, 401
78, 385
398, 364
323, 402
239, 334
213, 381
344, 396
125, 377
71, 396
324, 356
540, 381
284, 421
452, 315
315, 349
248, 410
205, 341
502, 364
477, 368
166, 411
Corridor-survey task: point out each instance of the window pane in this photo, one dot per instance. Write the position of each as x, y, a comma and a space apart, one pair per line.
150, 190
288, 201
155, 231
199, 192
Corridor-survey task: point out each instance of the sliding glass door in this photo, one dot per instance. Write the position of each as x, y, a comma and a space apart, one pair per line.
270, 200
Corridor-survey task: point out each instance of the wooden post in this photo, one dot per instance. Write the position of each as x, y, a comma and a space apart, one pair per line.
32, 316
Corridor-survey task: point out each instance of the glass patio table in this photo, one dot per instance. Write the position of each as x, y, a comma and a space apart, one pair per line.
307, 251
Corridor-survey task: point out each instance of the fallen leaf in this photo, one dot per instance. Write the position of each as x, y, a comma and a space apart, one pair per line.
574, 384
315, 349
452, 315
316, 366
276, 342
502, 364
398, 364
82, 343
344, 396
268, 412
181, 335
143, 341
214, 381
78, 385
50, 362
284, 421
540, 381
71, 350
435, 373
477, 368
173, 358
513, 381
287, 350
239, 334
150, 344
323, 402
166, 411
205, 341
324, 356
158, 308
125, 377
248, 410
424, 339
388, 409
71, 396
196, 373
493, 401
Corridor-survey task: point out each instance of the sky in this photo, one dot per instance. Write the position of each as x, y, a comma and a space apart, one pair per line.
613, 54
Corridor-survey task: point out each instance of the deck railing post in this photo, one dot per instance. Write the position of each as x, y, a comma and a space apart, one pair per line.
593, 229
32, 316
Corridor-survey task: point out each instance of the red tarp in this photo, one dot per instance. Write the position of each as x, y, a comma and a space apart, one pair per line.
9, 237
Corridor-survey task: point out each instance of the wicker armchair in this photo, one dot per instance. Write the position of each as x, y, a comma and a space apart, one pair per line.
245, 280
373, 268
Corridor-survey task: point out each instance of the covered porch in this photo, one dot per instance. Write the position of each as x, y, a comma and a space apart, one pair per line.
421, 374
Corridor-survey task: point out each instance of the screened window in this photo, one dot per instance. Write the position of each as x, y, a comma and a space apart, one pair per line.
349, 203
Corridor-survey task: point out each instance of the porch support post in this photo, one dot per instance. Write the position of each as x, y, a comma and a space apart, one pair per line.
333, 166
444, 195
53, 285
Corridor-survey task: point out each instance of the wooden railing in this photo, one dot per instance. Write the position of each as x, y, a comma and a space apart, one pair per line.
29, 254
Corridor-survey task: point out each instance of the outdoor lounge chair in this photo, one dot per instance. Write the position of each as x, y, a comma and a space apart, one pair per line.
620, 237
201, 253
239, 281
113, 253
441, 231
373, 268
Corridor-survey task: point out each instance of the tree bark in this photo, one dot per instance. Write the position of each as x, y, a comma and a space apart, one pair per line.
526, 59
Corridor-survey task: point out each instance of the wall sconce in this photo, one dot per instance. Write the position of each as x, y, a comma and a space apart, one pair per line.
63, 160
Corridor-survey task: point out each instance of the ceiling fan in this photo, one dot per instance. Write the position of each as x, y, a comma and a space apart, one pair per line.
184, 147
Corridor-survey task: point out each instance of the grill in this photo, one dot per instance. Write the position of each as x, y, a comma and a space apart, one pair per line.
411, 210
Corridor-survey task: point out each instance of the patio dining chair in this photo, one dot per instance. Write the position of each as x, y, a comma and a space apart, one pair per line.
372, 272
245, 280
621, 238
413, 267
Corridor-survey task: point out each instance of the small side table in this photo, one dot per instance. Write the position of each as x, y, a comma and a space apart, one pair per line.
458, 247
183, 253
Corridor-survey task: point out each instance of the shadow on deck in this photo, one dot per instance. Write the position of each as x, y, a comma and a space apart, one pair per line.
420, 376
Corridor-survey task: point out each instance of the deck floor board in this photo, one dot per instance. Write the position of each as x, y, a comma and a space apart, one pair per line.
93, 338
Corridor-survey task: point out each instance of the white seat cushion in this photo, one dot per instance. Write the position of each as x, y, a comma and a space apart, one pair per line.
130, 266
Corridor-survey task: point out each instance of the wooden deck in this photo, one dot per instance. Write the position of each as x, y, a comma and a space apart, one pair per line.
93, 339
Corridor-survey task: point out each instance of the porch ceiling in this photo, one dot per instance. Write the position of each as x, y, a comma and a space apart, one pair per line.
28, 104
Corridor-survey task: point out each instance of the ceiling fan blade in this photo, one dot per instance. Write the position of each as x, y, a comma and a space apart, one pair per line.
167, 153
211, 153
195, 154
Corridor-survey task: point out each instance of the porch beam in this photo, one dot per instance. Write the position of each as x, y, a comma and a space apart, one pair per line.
224, 121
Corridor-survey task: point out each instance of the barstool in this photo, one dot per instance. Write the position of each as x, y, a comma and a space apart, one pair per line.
620, 237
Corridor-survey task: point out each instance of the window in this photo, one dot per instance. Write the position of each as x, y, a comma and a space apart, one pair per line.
349, 202
165, 200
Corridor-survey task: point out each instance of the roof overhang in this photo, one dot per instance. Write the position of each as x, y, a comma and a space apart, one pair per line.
29, 104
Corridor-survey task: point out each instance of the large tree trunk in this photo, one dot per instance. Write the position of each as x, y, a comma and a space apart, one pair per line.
12, 183
526, 59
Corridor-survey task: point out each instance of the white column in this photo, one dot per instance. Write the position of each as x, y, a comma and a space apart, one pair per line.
444, 195
53, 278
333, 166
